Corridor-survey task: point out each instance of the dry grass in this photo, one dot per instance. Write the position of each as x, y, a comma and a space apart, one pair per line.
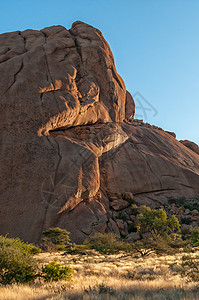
110, 277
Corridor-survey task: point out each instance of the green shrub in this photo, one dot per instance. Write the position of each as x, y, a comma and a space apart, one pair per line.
54, 272
194, 237
55, 239
16, 262
106, 243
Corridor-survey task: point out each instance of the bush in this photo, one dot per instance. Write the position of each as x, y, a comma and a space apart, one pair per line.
106, 243
16, 262
16, 242
54, 272
55, 239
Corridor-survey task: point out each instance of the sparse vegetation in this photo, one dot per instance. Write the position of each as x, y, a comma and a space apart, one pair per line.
106, 266
189, 268
194, 237
118, 276
191, 204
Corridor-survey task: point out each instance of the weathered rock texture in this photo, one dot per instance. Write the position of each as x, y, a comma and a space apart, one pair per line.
191, 145
67, 158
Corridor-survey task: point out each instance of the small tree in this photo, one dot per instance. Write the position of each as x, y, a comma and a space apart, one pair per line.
157, 222
161, 228
57, 238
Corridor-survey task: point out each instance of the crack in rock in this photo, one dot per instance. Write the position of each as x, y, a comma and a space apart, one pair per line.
24, 40
15, 77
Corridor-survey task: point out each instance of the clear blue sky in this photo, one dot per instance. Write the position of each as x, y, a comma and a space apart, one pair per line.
155, 44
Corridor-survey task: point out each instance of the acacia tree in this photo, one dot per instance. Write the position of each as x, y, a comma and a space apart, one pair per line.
156, 222
160, 226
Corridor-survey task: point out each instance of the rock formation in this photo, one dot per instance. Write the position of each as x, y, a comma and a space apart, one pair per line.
71, 154
191, 145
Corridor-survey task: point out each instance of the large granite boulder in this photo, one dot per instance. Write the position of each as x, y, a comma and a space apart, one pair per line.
64, 146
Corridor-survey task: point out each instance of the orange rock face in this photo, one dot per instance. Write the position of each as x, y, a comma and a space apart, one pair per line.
64, 146
194, 147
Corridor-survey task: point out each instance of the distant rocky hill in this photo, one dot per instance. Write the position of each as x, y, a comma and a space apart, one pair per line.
71, 154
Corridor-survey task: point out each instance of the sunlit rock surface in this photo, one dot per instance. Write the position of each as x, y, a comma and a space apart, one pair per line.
68, 139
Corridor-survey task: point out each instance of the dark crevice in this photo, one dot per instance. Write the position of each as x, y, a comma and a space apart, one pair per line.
45, 36
153, 191
64, 57
186, 185
77, 126
52, 144
174, 176
41, 97
15, 78
116, 78
76, 43
60, 158
24, 40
